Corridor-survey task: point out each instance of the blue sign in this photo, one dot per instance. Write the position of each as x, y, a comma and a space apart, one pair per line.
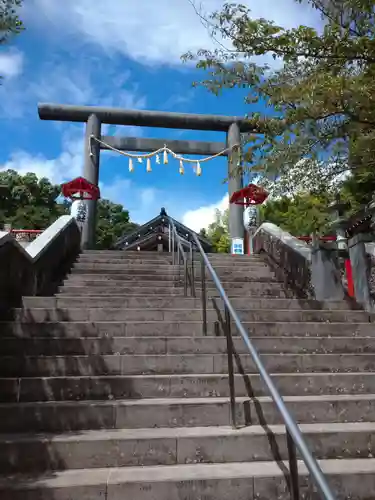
237, 246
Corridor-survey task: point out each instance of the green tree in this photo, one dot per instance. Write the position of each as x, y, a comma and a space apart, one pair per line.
322, 96
218, 232
27, 202
112, 222
203, 233
10, 23
301, 214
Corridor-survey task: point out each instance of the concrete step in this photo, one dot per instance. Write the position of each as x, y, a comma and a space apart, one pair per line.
163, 446
351, 478
136, 267
122, 254
230, 256
109, 329
94, 280
104, 268
108, 284
237, 277
257, 288
139, 364
35, 346
131, 267
171, 290
156, 273
125, 254
40, 315
168, 259
65, 416
154, 302
124, 257
104, 388
124, 260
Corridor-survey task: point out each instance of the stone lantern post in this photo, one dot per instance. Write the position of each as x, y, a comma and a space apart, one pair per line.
339, 223
362, 256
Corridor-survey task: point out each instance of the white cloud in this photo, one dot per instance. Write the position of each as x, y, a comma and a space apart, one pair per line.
203, 216
71, 83
66, 166
117, 191
150, 31
80, 86
143, 202
11, 63
148, 196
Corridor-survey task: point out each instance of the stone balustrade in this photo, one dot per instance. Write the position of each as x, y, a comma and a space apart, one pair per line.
39, 268
308, 271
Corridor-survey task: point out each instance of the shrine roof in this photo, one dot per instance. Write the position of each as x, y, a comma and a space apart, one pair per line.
159, 226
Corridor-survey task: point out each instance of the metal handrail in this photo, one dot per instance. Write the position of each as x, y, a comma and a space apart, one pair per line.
294, 435
180, 252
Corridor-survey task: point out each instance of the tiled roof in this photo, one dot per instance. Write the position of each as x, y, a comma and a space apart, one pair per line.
151, 230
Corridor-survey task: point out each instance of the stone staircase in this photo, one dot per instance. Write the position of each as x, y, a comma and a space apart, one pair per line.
110, 391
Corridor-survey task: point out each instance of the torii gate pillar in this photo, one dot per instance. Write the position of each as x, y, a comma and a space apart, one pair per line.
94, 116
91, 173
235, 183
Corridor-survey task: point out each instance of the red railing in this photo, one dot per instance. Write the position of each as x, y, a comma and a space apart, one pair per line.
307, 239
26, 234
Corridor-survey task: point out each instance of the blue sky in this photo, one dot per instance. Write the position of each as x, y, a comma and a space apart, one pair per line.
116, 54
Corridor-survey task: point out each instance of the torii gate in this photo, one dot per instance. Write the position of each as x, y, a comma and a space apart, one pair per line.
94, 117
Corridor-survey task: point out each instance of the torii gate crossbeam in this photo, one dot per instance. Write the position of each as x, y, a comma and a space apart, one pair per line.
94, 116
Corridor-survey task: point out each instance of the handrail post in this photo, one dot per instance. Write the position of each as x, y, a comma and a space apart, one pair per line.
232, 389
173, 247
204, 297
178, 260
185, 277
293, 467
192, 270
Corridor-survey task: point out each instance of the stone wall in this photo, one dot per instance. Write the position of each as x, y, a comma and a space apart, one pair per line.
39, 268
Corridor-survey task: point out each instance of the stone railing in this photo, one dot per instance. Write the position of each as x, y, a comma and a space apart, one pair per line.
308, 271
370, 251
39, 268
362, 258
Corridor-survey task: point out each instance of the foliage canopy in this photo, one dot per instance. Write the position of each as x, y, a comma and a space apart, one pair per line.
218, 232
321, 94
27, 202
10, 23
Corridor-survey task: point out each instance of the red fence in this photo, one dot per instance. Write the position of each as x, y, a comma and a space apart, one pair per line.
26, 234
307, 239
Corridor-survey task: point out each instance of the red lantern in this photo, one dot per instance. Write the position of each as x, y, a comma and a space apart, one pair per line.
81, 187
249, 195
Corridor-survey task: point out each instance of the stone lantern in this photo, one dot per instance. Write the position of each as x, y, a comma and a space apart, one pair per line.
339, 223
249, 197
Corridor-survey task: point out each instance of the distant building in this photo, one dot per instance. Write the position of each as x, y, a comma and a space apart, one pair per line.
155, 236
